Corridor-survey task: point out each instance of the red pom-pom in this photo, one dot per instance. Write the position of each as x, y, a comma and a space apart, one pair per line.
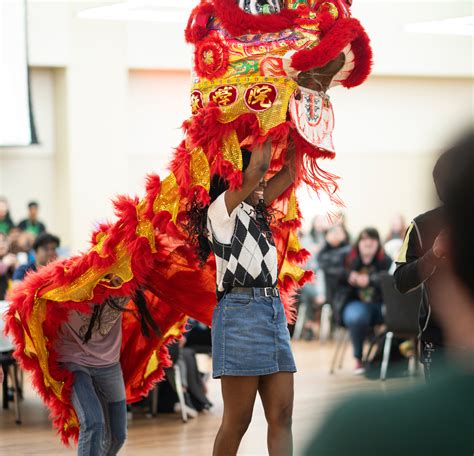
212, 58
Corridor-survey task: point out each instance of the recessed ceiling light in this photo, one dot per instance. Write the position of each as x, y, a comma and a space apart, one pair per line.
463, 26
142, 10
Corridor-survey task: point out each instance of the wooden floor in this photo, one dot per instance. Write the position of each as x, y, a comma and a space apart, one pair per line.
315, 392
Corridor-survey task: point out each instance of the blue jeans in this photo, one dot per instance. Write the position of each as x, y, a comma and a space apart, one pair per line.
359, 317
98, 397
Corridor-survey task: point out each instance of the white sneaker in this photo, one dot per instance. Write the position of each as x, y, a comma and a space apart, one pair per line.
359, 368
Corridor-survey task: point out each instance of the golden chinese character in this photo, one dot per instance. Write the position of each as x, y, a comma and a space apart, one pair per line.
196, 103
223, 96
259, 95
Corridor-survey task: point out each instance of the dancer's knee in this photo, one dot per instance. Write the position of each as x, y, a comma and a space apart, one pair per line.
237, 424
281, 417
93, 428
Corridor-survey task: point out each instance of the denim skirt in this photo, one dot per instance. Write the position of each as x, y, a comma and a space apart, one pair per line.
250, 337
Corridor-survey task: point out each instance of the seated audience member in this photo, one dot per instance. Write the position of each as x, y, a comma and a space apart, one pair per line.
21, 244
45, 248
398, 228
359, 299
331, 259
6, 222
394, 241
196, 340
191, 381
312, 295
437, 418
14, 240
8, 262
198, 337
32, 224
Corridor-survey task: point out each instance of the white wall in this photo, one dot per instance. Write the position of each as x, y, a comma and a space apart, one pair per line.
158, 103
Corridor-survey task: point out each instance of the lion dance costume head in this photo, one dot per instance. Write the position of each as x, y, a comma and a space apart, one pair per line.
261, 72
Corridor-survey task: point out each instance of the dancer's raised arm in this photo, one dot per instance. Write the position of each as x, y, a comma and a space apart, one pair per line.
255, 172
283, 179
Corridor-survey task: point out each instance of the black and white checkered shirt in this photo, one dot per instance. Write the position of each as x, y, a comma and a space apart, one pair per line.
244, 255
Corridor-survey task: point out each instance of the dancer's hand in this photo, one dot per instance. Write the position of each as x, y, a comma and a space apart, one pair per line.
1, 375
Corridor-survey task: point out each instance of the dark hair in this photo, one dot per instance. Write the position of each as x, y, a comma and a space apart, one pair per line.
195, 223
32, 204
344, 229
442, 171
45, 238
142, 313
371, 233
459, 207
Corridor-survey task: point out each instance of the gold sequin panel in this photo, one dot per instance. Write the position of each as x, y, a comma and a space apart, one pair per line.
266, 97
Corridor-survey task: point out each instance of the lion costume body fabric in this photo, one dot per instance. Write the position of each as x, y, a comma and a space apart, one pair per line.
261, 71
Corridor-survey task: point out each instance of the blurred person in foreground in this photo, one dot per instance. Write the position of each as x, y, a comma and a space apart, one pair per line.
358, 301
434, 419
32, 224
419, 264
45, 248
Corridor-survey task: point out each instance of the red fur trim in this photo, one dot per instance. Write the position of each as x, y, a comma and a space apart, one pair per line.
226, 169
299, 257
288, 287
344, 32
180, 167
325, 20
363, 56
153, 187
238, 22
200, 195
196, 29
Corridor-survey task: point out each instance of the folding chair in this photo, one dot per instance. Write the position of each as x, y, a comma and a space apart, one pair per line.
10, 369
401, 317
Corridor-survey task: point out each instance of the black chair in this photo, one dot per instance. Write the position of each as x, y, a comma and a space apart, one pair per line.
401, 316
10, 366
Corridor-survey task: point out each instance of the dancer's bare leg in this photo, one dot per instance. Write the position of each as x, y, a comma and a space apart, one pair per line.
276, 392
239, 397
